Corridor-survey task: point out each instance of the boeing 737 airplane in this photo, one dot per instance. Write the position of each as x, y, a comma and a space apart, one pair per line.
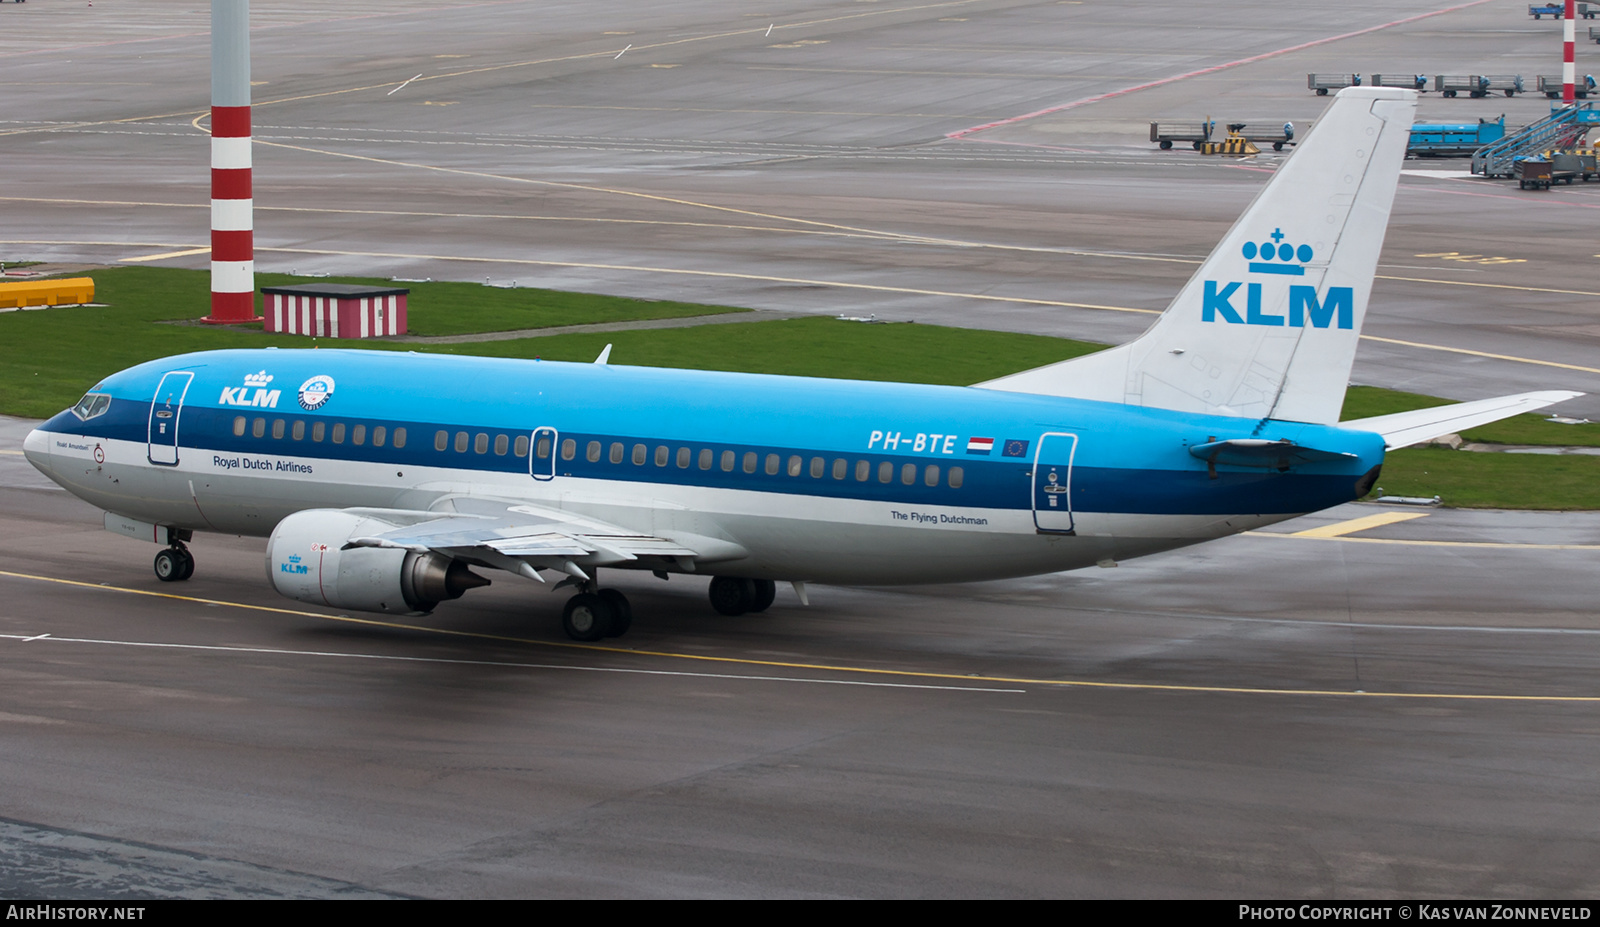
385, 479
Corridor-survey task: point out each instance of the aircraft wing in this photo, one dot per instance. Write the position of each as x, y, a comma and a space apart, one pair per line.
523, 538
1403, 429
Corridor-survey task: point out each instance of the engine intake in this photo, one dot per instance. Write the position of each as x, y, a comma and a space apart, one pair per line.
307, 561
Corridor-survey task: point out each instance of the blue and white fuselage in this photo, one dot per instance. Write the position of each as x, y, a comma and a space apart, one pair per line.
824, 480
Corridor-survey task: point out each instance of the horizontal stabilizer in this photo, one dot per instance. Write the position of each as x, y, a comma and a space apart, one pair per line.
1260, 452
1403, 429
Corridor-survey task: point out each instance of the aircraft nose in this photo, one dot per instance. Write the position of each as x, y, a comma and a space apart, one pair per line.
36, 447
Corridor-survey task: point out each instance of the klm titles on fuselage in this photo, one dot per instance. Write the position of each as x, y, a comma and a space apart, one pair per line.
1277, 258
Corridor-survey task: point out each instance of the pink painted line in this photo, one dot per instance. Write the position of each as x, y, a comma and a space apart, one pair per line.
962, 133
1534, 200
1037, 145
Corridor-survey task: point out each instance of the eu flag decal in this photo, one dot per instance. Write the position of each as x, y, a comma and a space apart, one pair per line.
1015, 448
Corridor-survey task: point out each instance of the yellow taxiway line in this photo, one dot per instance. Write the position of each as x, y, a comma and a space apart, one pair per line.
965, 678
1340, 529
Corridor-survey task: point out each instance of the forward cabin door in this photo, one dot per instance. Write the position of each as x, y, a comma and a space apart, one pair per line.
165, 409
1052, 482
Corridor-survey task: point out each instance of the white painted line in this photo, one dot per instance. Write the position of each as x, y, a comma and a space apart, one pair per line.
397, 89
499, 663
623, 52
769, 29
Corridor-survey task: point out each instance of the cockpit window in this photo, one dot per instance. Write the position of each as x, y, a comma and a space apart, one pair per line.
91, 405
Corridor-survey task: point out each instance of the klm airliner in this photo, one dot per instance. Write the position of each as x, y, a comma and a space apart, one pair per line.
385, 480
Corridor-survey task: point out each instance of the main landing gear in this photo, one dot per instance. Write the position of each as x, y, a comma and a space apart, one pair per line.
733, 596
595, 614
175, 564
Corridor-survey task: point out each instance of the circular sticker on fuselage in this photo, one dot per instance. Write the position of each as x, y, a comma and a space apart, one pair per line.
315, 393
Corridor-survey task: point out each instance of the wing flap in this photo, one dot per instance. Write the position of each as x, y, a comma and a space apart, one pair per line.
522, 538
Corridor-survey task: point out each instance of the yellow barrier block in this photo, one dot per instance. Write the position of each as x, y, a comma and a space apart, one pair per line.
66, 292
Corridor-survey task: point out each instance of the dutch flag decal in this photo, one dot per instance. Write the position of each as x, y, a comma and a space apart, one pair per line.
980, 445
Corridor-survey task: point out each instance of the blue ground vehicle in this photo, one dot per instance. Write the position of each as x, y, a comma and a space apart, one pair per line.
1454, 140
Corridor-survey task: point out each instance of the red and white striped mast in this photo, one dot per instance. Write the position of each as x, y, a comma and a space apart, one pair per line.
233, 277
1569, 70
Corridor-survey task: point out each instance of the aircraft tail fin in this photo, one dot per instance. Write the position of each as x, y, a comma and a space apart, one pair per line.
1268, 327
1403, 429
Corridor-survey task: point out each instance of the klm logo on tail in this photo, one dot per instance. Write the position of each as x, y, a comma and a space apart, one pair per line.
1278, 258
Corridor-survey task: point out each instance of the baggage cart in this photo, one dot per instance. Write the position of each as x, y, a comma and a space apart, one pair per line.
1417, 82
1188, 133
1322, 83
1551, 86
1533, 173
1452, 84
1541, 10
1508, 84
1565, 168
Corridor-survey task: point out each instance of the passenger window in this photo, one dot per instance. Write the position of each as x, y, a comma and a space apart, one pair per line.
502, 444
277, 429
569, 449
480, 445
319, 429
908, 474
705, 458
863, 471
817, 464
683, 458
639, 453
840, 468
298, 432
440, 440
358, 435
930, 476
520, 447
400, 438
378, 434
794, 465
541, 448
338, 433
727, 461
238, 426
592, 452
461, 442
258, 427
885, 472
616, 452
956, 477
661, 455
772, 464
749, 462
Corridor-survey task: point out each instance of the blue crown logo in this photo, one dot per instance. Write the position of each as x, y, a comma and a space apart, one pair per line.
1277, 250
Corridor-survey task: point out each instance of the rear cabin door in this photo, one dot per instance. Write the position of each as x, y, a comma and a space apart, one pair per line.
165, 410
1052, 482
542, 459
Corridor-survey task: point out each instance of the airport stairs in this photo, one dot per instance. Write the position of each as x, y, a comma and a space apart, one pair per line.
1565, 127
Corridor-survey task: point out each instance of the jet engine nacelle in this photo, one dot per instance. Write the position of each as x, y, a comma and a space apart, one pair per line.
307, 561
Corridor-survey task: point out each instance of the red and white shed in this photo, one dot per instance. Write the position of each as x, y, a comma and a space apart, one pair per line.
335, 310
